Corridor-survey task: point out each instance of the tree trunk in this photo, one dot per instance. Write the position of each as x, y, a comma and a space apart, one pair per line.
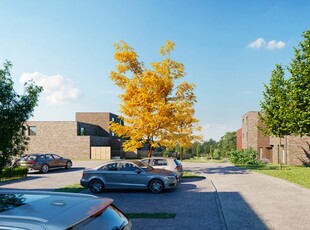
149, 151
279, 162
181, 153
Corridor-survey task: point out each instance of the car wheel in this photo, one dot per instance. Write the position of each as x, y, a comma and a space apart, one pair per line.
68, 165
156, 186
96, 186
45, 168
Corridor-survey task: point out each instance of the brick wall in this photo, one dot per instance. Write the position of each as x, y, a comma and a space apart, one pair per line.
59, 137
253, 138
100, 119
293, 151
239, 139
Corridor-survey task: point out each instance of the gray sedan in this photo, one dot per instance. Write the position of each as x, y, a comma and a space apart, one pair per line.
125, 174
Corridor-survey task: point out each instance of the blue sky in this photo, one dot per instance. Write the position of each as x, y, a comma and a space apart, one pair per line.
229, 49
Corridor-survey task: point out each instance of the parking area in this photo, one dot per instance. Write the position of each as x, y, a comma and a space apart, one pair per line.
229, 198
194, 201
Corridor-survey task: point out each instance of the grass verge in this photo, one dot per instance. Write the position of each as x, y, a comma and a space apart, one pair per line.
296, 174
155, 215
203, 160
192, 175
74, 188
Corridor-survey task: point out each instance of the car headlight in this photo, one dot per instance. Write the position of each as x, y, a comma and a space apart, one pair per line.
171, 177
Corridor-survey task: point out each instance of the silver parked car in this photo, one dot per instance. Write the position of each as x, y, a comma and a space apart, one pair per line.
124, 174
171, 164
36, 210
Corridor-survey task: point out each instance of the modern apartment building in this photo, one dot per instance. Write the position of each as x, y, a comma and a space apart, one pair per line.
293, 150
88, 137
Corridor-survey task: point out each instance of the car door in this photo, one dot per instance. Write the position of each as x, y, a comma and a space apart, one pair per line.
49, 159
131, 176
160, 163
109, 175
58, 161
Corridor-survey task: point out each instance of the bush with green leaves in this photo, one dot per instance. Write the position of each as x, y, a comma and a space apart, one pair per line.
244, 157
216, 154
13, 172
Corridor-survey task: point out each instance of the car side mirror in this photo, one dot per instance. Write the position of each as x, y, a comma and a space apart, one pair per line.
138, 171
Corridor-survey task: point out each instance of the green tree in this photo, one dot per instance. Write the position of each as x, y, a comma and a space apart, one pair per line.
299, 88
227, 143
198, 150
209, 146
15, 110
275, 113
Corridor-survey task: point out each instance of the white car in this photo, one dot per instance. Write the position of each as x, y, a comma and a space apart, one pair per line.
171, 164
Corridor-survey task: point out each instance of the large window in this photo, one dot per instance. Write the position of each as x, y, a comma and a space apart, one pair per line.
32, 130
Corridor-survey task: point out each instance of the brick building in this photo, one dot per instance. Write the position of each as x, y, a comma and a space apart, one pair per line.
293, 150
78, 139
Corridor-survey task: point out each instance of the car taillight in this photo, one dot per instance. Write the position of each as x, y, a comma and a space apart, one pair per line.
31, 162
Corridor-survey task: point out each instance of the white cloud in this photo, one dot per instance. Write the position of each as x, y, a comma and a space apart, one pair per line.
271, 45
57, 89
275, 45
258, 43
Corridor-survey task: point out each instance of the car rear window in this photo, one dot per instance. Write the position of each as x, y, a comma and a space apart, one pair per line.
110, 218
29, 158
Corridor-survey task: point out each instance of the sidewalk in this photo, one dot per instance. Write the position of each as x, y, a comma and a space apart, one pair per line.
255, 201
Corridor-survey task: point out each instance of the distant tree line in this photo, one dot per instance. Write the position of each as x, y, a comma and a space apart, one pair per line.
209, 149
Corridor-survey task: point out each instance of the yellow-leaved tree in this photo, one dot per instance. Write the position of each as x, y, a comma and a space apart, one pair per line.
155, 111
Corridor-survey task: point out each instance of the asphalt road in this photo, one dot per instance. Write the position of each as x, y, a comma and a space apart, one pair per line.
229, 198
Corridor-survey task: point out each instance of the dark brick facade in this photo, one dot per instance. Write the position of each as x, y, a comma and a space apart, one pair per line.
73, 139
292, 151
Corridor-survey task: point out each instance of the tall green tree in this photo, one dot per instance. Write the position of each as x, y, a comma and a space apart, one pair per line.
209, 146
227, 143
299, 87
15, 110
275, 107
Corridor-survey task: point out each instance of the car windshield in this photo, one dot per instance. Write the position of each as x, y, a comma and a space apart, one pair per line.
144, 166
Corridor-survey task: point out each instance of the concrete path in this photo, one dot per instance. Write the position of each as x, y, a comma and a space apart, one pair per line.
255, 201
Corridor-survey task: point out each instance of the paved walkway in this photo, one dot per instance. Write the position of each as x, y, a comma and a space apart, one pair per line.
255, 201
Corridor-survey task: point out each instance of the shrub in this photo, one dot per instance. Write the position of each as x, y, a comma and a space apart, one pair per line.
244, 157
13, 172
217, 154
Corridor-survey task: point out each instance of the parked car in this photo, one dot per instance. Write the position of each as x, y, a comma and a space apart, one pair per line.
36, 210
123, 174
171, 164
43, 162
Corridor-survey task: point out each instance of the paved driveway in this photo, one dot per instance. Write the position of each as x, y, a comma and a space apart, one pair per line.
229, 198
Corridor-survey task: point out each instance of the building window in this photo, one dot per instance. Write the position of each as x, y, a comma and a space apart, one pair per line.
32, 130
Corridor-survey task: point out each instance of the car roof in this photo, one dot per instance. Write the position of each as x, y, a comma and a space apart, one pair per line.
167, 158
53, 209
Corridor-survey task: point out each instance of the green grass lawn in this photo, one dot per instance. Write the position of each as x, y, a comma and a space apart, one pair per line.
155, 215
75, 188
191, 175
203, 160
296, 174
